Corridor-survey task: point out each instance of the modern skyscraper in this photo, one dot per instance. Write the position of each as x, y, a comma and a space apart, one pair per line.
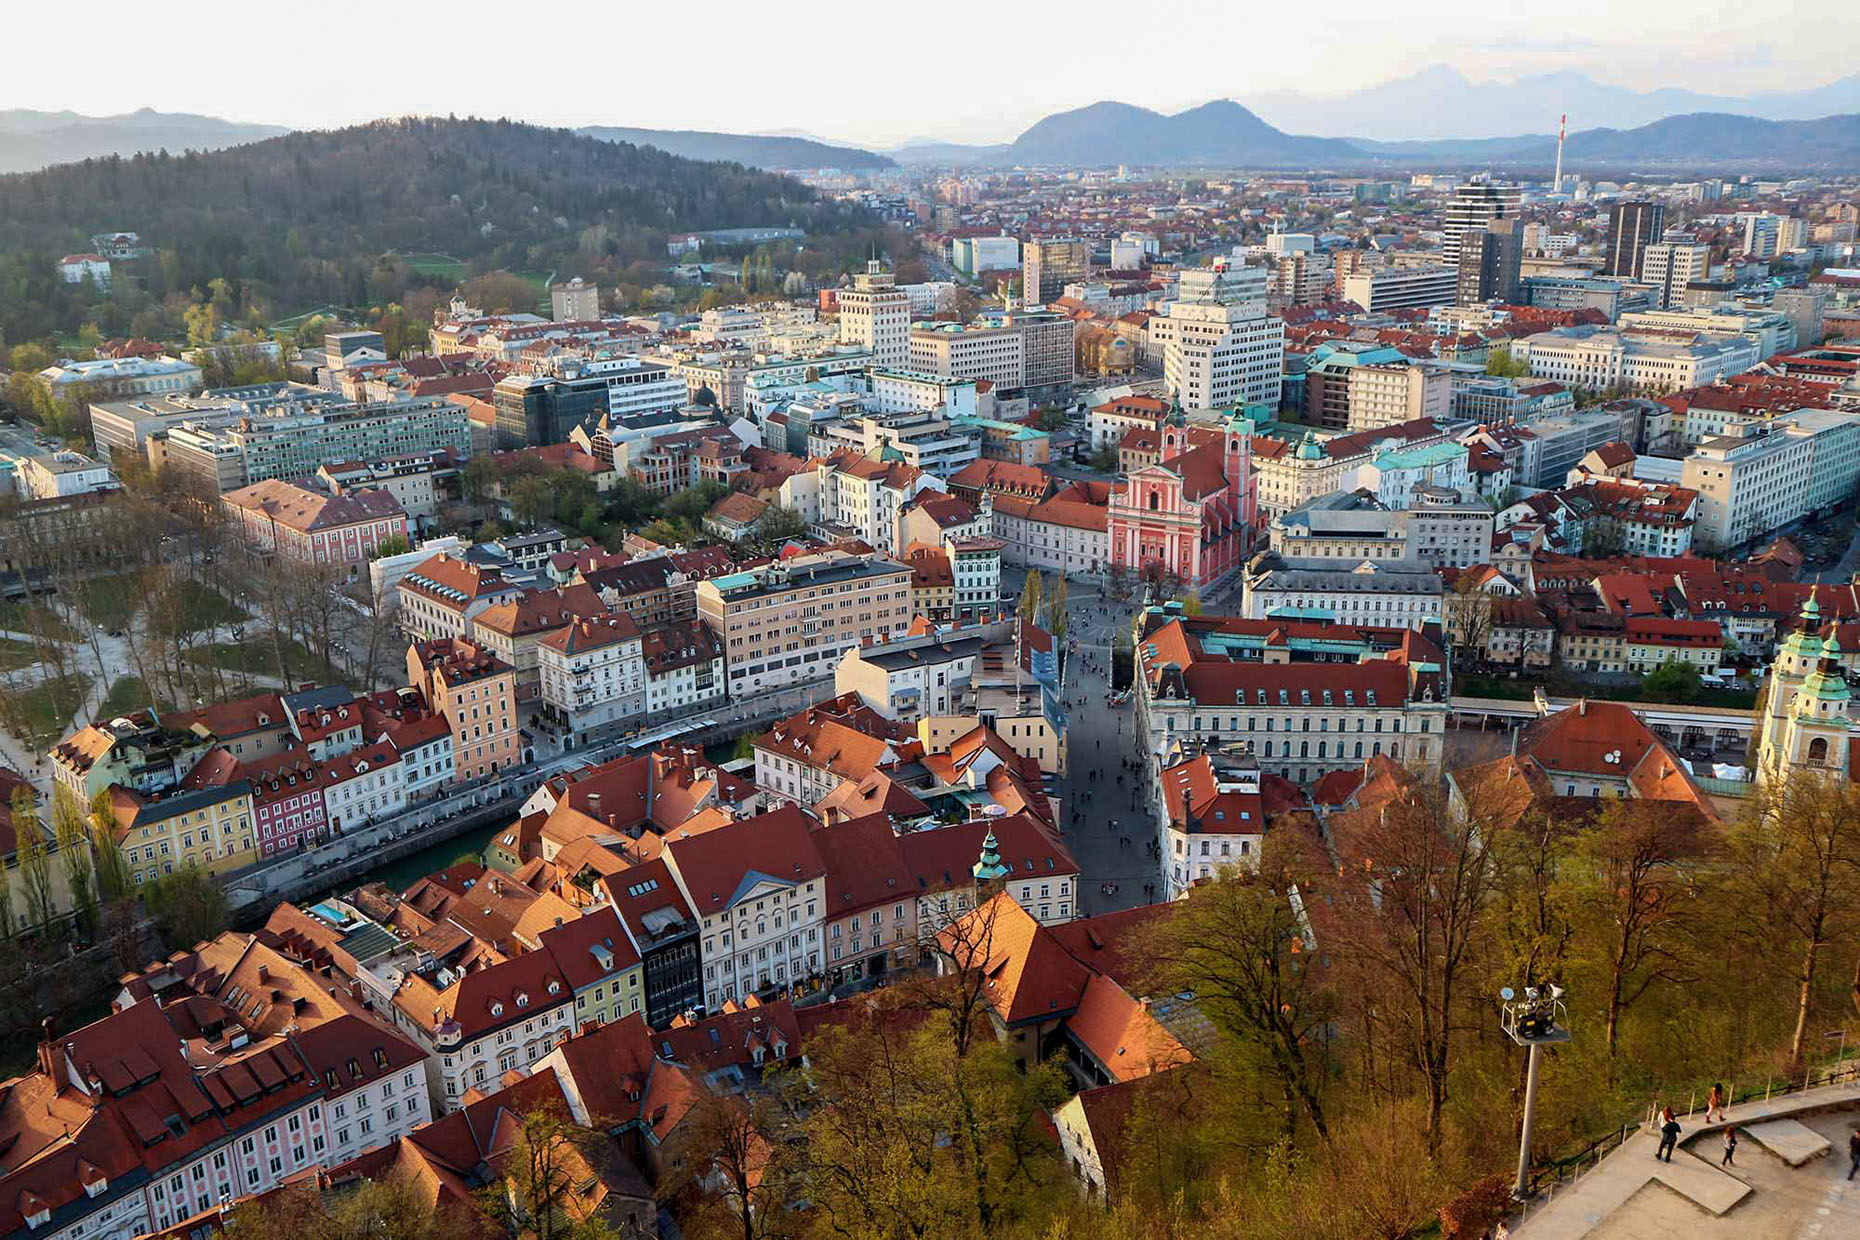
1048, 264
1475, 206
1491, 259
875, 314
1632, 227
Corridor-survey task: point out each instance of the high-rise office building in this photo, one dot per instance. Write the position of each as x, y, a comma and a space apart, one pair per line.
1475, 206
875, 314
1632, 227
1491, 260
1671, 265
1048, 264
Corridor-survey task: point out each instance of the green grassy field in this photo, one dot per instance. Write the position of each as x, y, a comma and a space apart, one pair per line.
21, 617
16, 654
434, 264
127, 693
203, 607
109, 601
46, 709
257, 656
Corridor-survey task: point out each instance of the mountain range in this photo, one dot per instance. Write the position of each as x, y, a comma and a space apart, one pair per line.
30, 140
773, 152
1223, 134
1443, 102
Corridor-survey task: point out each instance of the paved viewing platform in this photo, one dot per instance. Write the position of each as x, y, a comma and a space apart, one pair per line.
1789, 1182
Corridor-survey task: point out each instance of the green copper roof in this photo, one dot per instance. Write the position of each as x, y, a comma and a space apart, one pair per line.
991, 866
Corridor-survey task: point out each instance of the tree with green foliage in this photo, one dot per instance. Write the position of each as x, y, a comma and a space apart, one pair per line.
537, 1192
72, 832
115, 879
1058, 619
1031, 596
778, 525
532, 498
187, 905
1500, 362
35, 866
384, 1207
1673, 681
393, 544
478, 479
901, 1135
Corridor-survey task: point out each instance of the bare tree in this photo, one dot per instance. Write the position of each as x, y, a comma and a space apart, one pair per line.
1411, 904
1796, 861
1636, 886
1240, 944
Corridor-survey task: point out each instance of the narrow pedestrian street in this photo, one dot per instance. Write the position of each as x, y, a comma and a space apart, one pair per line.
1110, 826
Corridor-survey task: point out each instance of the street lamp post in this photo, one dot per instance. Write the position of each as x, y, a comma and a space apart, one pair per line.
1535, 1021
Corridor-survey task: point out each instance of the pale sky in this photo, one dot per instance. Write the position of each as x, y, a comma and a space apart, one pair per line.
873, 73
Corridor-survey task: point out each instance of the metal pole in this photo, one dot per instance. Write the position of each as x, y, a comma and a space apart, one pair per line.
1530, 1115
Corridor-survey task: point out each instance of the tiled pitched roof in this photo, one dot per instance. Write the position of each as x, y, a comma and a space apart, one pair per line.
717, 867
304, 510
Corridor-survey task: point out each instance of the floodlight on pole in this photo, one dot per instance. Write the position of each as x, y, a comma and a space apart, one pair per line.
1534, 1021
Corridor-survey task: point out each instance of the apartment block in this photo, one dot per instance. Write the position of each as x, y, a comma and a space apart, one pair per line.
789, 622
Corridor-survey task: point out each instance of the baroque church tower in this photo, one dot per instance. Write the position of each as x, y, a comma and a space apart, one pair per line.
1807, 718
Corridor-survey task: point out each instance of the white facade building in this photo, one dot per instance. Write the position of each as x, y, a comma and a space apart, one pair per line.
1220, 355
593, 672
1601, 358
875, 316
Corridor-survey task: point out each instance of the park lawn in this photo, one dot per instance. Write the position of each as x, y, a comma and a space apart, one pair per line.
205, 608
15, 655
18, 617
433, 264
256, 656
43, 721
127, 693
110, 601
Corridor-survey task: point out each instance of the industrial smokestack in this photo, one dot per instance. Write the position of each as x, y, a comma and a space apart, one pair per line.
1562, 127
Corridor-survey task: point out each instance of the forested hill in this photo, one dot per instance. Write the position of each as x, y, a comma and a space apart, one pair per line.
300, 220
756, 150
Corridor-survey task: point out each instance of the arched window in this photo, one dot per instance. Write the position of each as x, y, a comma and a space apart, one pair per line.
1359, 749
1818, 749
1153, 501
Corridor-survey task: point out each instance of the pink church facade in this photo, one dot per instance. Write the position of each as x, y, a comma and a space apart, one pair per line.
1191, 515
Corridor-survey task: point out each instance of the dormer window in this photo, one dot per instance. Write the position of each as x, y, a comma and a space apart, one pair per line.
555, 987
497, 1009
523, 1000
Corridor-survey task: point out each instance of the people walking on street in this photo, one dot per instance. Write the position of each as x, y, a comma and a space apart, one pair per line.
1730, 1148
1714, 1105
1669, 1135
1853, 1152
